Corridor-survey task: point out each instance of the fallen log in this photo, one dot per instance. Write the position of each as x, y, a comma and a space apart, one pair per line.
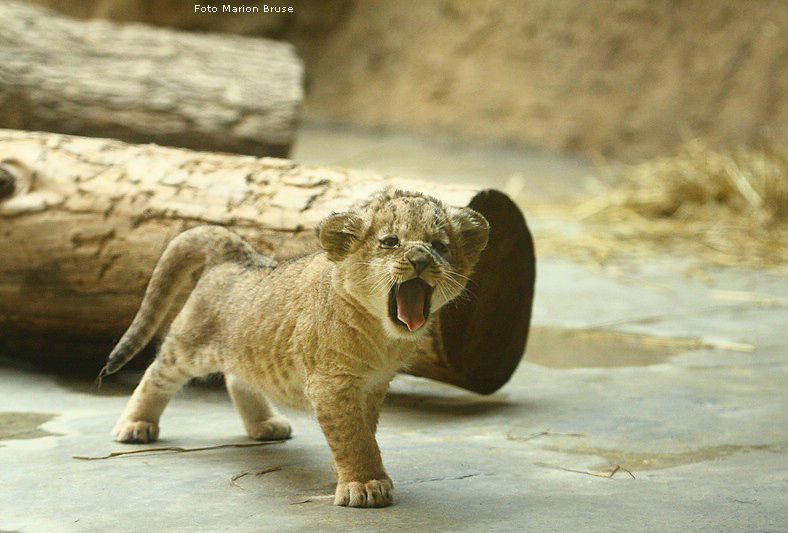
83, 221
144, 84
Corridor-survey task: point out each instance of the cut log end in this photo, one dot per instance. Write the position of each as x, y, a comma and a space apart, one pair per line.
481, 339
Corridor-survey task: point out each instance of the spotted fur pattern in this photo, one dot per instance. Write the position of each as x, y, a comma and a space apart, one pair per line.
314, 332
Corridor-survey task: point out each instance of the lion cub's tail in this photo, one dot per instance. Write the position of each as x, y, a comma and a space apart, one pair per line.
184, 256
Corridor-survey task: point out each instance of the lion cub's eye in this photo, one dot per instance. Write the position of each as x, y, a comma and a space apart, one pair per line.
389, 242
440, 246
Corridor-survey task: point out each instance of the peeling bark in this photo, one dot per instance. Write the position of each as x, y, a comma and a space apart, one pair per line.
142, 84
87, 219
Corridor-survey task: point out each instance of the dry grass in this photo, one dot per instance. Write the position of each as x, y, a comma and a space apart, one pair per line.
724, 207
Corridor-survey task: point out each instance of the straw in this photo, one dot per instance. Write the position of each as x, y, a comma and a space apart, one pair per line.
722, 207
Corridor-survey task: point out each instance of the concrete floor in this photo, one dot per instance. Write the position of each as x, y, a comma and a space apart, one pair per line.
676, 386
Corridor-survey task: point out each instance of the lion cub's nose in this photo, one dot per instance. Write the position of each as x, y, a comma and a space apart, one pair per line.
419, 265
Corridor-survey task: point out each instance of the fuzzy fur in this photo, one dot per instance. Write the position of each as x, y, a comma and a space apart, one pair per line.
314, 332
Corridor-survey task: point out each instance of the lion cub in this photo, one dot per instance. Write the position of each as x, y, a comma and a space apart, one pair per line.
326, 331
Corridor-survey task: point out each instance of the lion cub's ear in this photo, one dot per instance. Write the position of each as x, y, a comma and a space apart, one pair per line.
338, 232
472, 230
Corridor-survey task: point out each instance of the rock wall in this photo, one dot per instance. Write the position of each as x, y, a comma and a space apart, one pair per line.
625, 79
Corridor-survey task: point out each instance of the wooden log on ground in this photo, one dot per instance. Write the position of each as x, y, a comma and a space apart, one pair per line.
83, 221
143, 84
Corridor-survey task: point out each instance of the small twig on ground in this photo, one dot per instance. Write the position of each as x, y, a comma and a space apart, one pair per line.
239, 475
175, 449
547, 433
434, 479
607, 475
617, 468
314, 498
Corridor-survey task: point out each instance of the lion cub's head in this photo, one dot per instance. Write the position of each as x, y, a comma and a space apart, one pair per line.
404, 255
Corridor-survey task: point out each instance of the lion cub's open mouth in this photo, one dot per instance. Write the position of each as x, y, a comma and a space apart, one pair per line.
409, 303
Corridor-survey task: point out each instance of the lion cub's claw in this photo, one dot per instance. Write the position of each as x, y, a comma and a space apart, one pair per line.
136, 431
274, 428
373, 493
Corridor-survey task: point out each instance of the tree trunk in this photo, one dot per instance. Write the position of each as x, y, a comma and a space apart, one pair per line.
83, 221
144, 84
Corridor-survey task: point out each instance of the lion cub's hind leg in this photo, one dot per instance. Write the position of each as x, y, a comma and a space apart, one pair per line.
175, 364
139, 422
260, 419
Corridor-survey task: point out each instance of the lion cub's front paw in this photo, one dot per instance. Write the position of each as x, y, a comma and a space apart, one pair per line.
373, 493
136, 431
274, 428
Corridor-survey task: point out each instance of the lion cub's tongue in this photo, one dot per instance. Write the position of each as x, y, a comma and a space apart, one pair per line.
410, 303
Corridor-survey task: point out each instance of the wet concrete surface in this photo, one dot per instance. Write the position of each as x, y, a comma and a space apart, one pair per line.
17, 425
636, 408
579, 348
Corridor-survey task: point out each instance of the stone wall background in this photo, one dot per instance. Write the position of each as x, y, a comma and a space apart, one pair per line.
625, 79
